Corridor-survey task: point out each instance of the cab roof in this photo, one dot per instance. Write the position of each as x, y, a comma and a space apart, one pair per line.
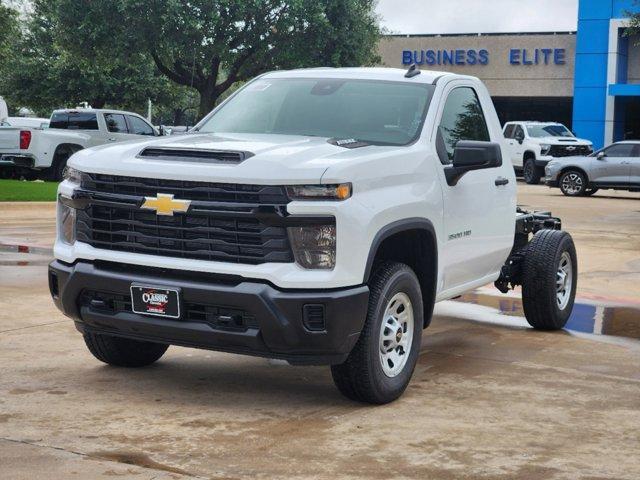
364, 73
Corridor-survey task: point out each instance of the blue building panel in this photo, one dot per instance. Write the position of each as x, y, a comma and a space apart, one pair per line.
593, 36
591, 89
589, 104
595, 9
591, 70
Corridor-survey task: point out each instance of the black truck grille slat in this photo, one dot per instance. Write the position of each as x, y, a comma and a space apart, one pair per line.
226, 234
569, 150
186, 190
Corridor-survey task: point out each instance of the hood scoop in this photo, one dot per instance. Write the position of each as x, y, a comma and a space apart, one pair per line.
194, 155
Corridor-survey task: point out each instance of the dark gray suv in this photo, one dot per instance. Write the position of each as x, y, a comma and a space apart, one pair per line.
616, 166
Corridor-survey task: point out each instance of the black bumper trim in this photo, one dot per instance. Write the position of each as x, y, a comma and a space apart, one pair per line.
279, 314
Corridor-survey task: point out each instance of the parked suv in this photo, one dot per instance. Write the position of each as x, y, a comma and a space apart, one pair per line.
533, 144
315, 216
614, 167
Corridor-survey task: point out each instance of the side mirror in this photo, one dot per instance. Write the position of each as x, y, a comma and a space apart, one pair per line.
471, 155
601, 155
520, 138
161, 131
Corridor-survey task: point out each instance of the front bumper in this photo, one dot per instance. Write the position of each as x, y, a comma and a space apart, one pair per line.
271, 322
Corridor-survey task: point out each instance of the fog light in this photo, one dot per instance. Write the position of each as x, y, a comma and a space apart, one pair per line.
67, 224
314, 247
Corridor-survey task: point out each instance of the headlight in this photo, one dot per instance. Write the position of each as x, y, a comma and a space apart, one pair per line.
314, 247
552, 164
73, 175
545, 148
319, 192
67, 223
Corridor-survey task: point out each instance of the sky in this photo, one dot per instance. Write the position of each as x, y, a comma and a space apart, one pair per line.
478, 16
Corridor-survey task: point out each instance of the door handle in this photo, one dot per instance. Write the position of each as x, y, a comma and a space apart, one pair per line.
501, 181
112, 139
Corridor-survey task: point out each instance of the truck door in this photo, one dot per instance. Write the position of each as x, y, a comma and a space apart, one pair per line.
612, 166
479, 212
116, 127
509, 135
518, 146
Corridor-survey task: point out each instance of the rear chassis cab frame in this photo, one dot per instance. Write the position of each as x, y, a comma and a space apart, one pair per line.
528, 223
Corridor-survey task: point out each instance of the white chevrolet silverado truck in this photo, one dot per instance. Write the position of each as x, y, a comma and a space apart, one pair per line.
34, 152
534, 144
315, 216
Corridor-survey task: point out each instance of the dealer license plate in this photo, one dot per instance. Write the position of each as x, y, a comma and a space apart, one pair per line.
158, 301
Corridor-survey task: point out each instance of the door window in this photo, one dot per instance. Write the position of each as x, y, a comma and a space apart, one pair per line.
137, 126
622, 150
508, 132
462, 119
116, 123
74, 121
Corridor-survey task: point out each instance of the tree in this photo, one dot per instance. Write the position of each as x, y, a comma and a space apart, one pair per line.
634, 22
9, 32
212, 44
43, 75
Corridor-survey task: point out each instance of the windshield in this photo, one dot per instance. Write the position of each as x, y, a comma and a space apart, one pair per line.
374, 112
556, 130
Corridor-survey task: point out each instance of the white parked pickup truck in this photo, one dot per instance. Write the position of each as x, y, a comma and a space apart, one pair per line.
534, 144
315, 216
44, 153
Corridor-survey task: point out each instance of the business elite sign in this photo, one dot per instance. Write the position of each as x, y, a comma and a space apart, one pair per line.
517, 57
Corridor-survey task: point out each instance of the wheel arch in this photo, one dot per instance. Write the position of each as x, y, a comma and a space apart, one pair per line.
577, 169
412, 241
66, 147
529, 155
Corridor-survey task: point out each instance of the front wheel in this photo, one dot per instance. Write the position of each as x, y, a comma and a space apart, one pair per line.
573, 183
381, 364
531, 173
549, 279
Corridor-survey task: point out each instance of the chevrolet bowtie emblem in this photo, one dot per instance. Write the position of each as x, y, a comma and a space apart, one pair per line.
164, 204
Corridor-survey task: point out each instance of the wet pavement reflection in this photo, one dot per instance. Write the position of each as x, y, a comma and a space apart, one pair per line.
620, 321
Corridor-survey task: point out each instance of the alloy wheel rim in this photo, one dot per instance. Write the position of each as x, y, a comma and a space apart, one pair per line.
396, 334
564, 280
572, 183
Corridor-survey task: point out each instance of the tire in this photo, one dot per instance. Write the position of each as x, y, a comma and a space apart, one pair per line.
363, 377
591, 191
548, 303
56, 172
530, 172
573, 183
123, 352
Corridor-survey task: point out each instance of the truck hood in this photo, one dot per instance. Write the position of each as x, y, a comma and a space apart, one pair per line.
272, 159
562, 141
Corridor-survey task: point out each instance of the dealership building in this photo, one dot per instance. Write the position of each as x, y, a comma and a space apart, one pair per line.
589, 80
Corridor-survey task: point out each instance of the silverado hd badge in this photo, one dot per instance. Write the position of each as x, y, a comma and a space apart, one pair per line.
164, 204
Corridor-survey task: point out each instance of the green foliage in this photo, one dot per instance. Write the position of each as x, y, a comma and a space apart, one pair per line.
43, 74
19, 191
9, 31
634, 22
211, 45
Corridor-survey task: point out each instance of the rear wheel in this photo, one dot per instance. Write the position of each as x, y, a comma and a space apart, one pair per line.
123, 352
549, 280
573, 183
531, 173
381, 364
